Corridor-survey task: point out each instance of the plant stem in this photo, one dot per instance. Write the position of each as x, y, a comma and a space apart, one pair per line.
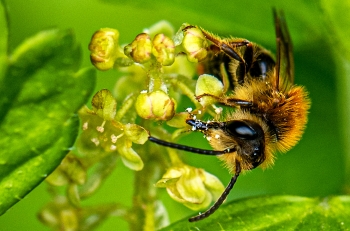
145, 193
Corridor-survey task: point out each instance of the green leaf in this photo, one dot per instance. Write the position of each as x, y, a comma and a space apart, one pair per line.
337, 23
39, 96
3, 41
276, 213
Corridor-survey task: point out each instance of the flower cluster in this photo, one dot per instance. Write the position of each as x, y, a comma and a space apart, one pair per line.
158, 68
159, 56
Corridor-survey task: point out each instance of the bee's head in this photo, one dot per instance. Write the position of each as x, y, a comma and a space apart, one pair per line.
249, 137
244, 137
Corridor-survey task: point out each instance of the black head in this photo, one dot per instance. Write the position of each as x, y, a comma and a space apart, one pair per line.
250, 139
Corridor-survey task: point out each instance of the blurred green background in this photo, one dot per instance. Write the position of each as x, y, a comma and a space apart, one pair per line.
315, 167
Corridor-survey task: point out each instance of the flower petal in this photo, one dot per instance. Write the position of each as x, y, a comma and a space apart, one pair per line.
129, 157
166, 182
190, 186
213, 185
174, 194
199, 206
207, 84
136, 133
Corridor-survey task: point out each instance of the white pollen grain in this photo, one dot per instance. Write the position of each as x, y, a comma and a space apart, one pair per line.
218, 110
189, 109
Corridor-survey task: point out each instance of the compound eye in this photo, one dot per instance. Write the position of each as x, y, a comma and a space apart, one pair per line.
263, 65
241, 129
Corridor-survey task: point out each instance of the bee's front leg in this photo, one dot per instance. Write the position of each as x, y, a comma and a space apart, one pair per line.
227, 101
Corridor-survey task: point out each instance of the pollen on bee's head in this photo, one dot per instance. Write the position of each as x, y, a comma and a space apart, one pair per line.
189, 109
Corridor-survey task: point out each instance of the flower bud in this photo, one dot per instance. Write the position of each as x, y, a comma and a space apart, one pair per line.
104, 104
163, 49
104, 48
140, 49
207, 84
156, 105
195, 44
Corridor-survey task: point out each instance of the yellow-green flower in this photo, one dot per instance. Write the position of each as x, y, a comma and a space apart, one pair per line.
112, 136
191, 186
140, 49
104, 48
195, 44
156, 105
163, 49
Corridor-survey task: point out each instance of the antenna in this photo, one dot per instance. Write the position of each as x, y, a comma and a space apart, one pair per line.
188, 148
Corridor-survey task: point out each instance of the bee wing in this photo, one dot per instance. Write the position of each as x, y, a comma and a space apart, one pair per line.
284, 54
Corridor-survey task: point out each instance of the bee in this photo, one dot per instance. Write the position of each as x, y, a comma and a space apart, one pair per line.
234, 60
270, 111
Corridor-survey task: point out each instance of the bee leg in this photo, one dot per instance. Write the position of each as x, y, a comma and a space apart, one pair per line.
227, 46
232, 102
